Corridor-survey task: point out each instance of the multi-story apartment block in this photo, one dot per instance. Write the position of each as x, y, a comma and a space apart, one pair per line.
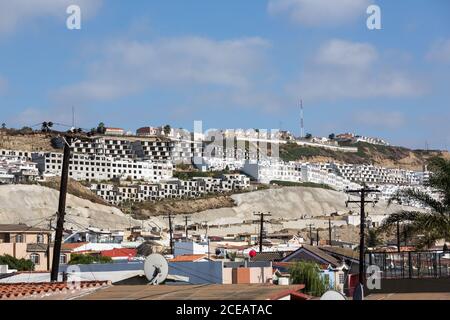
144, 148
16, 167
91, 167
171, 189
267, 171
373, 174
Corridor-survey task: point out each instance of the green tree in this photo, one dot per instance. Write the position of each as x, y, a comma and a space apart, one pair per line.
308, 136
167, 129
373, 238
101, 128
3, 126
332, 136
88, 259
309, 274
431, 225
16, 264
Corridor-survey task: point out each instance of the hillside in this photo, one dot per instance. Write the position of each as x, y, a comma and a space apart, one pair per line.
291, 208
34, 205
24, 141
391, 157
386, 156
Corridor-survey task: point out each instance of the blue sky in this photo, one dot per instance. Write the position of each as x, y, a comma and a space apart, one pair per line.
232, 64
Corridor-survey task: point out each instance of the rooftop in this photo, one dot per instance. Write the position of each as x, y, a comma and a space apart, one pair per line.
40, 290
188, 258
20, 228
195, 292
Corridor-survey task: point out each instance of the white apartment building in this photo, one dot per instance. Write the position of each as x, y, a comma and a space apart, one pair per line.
371, 140
267, 171
380, 175
144, 148
16, 167
92, 167
318, 173
170, 189
185, 150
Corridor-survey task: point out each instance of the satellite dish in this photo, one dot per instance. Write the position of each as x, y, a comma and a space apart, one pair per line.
333, 295
156, 268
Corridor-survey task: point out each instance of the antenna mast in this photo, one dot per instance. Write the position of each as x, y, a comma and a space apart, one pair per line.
302, 127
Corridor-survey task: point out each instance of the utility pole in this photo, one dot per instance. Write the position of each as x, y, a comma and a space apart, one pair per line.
329, 232
261, 227
310, 234
398, 236
69, 137
207, 238
363, 192
317, 237
186, 220
49, 240
169, 216
61, 209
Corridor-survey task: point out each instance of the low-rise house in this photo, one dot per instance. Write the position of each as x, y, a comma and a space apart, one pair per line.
23, 242
333, 269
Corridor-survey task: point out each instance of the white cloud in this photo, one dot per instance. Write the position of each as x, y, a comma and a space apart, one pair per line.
319, 12
344, 69
14, 13
348, 54
440, 51
128, 67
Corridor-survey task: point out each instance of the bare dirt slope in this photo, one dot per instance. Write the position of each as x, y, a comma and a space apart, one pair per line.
25, 142
32, 205
291, 207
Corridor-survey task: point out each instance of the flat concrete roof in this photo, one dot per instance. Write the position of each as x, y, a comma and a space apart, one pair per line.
193, 292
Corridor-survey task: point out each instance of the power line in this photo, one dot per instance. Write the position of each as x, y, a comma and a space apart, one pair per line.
363, 192
261, 227
310, 234
169, 216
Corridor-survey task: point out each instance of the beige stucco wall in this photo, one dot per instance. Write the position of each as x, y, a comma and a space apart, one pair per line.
227, 275
261, 275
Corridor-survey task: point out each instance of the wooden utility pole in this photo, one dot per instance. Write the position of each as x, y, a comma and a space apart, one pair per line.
363, 192
317, 236
169, 216
329, 232
186, 227
311, 242
207, 238
398, 236
261, 227
61, 209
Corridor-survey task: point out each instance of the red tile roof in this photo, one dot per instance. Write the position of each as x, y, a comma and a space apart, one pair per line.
72, 246
119, 252
188, 258
23, 290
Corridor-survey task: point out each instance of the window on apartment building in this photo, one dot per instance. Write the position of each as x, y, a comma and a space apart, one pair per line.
35, 258
341, 278
63, 259
19, 238
40, 238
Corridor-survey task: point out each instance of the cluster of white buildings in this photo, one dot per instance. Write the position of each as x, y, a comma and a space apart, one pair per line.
171, 189
338, 176
266, 172
15, 167
351, 137
84, 167
373, 174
